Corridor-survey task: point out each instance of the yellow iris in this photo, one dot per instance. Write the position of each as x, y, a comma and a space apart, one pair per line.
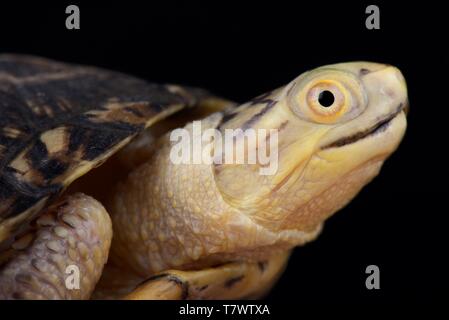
327, 112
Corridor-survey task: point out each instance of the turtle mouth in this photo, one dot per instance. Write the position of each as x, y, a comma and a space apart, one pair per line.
377, 128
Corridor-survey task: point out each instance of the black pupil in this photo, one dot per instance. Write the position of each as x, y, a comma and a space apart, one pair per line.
326, 98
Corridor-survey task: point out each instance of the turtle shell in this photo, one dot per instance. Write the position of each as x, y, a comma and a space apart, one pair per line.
58, 121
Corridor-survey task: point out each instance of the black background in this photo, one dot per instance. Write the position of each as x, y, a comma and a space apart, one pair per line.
398, 222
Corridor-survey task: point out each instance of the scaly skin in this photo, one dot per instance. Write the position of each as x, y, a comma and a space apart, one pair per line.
182, 218
229, 281
76, 231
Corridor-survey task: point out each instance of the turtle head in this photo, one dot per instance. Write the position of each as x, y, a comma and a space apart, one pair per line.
335, 126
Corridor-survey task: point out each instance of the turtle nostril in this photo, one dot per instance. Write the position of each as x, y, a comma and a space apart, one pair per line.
364, 71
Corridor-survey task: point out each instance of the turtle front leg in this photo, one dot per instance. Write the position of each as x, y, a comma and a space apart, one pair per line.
236, 280
62, 256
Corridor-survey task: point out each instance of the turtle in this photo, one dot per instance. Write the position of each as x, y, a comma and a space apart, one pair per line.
97, 203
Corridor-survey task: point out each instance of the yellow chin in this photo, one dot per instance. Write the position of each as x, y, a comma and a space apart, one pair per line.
333, 177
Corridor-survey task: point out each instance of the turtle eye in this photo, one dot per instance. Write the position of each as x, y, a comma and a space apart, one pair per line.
326, 96
327, 101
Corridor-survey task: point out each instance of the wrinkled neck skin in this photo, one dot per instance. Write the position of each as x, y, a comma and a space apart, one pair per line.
181, 215
184, 216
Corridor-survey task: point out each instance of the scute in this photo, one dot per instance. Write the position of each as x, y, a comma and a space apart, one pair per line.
58, 121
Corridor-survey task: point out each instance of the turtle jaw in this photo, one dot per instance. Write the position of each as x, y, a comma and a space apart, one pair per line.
377, 128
